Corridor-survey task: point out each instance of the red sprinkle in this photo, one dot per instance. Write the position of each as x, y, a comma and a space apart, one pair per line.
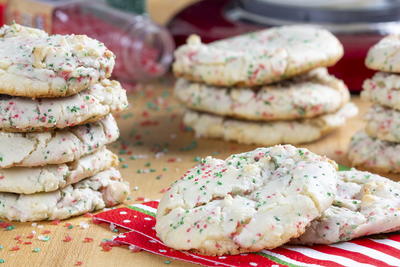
67, 238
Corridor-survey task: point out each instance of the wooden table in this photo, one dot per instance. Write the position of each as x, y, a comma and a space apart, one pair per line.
151, 130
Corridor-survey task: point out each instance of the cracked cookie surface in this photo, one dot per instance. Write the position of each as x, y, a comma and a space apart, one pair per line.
305, 96
364, 204
104, 189
38, 149
257, 58
35, 64
48, 178
248, 202
20, 114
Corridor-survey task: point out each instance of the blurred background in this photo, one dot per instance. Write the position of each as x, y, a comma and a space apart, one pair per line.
144, 33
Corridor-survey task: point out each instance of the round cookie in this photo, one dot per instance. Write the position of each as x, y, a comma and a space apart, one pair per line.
53, 177
374, 154
20, 114
385, 55
383, 89
248, 202
35, 64
383, 123
364, 204
267, 133
305, 96
257, 58
38, 149
104, 189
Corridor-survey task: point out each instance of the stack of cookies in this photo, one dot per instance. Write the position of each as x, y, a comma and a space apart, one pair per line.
265, 88
55, 121
378, 146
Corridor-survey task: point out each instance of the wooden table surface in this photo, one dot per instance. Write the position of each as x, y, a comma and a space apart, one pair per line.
155, 150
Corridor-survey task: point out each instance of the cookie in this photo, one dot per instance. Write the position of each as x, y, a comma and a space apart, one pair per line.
385, 55
20, 114
383, 123
374, 154
364, 204
383, 89
104, 189
35, 64
38, 149
53, 177
248, 202
257, 58
267, 133
305, 96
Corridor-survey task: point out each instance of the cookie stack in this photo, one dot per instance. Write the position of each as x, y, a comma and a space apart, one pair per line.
55, 121
265, 88
378, 146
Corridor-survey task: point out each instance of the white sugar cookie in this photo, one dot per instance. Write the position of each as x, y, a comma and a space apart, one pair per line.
385, 55
104, 189
383, 89
305, 96
48, 178
383, 123
20, 114
267, 133
374, 154
38, 149
257, 58
365, 204
248, 202
35, 64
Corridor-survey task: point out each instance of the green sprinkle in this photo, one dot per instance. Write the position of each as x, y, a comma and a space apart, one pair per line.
10, 227
124, 166
36, 250
167, 262
2, 260
197, 159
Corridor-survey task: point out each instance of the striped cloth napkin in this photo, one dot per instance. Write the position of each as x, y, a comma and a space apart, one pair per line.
140, 220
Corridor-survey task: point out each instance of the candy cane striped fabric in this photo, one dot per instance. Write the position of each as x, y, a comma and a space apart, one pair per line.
365, 252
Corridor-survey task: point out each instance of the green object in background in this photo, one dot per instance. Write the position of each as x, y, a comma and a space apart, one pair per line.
134, 6
344, 168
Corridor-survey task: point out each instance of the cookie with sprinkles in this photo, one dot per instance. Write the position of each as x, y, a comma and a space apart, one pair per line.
248, 202
20, 114
364, 204
267, 133
383, 123
305, 96
374, 154
38, 149
105, 189
49, 178
385, 55
384, 89
35, 64
257, 58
